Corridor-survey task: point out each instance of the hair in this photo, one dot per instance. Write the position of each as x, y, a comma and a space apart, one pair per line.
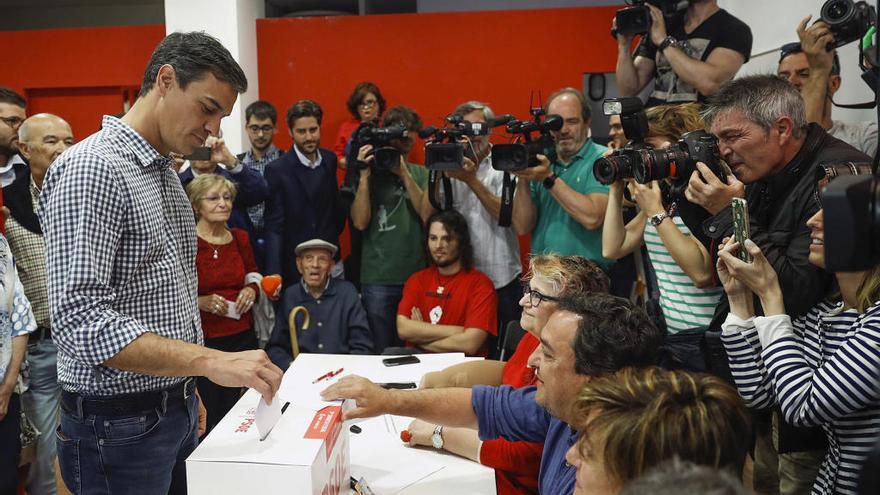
261, 109
402, 115
10, 97
763, 99
612, 334
586, 113
795, 47
677, 476
456, 225
637, 418
192, 55
304, 108
196, 189
359, 93
569, 275
868, 292
673, 121
472, 106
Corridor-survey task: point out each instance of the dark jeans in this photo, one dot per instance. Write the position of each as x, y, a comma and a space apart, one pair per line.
508, 310
685, 350
132, 453
10, 445
218, 400
380, 302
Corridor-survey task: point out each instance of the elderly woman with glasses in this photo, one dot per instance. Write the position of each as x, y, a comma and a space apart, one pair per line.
366, 104
516, 464
223, 259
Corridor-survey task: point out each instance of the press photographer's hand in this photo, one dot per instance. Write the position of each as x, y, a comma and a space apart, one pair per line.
658, 25
536, 174
707, 190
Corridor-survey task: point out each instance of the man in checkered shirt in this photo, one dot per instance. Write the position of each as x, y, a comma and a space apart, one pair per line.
121, 245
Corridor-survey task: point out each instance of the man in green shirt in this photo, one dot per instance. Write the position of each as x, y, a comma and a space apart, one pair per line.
390, 208
561, 203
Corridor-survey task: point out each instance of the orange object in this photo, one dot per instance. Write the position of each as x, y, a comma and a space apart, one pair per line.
270, 284
405, 436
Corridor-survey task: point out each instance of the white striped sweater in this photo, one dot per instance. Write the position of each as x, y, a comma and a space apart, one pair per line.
822, 370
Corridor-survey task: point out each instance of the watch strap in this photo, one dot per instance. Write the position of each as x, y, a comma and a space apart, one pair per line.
657, 219
550, 181
667, 42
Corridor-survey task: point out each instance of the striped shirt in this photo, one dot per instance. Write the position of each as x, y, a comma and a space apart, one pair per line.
822, 370
121, 245
685, 306
258, 211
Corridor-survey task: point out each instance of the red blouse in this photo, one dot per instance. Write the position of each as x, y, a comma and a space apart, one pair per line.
224, 276
516, 463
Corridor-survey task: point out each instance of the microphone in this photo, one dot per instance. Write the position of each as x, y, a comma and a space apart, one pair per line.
500, 120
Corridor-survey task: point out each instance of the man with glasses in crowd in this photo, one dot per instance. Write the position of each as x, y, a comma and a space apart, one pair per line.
261, 118
12, 114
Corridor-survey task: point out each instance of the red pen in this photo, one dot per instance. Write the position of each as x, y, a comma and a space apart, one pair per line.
329, 374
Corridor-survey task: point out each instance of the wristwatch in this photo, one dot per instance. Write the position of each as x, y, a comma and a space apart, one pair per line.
667, 42
437, 437
550, 181
657, 219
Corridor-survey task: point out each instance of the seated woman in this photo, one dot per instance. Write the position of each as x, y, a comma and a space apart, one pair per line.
366, 104
681, 263
516, 463
223, 259
822, 368
636, 419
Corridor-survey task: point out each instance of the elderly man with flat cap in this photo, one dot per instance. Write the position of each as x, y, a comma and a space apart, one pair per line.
337, 320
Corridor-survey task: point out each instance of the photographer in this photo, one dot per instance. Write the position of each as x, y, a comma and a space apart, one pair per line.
764, 137
682, 264
687, 60
561, 204
389, 208
815, 72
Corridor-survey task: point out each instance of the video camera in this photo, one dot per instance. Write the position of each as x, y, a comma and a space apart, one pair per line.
847, 20
619, 164
636, 19
445, 152
386, 157
522, 155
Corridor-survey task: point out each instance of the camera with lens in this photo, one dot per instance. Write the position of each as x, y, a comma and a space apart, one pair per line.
445, 152
386, 157
524, 154
636, 19
847, 20
851, 207
680, 161
619, 164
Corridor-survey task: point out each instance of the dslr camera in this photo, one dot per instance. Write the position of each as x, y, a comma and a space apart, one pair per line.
386, 157
680, 161
524, 154
445, 152
847, 20
851, 203
619, 165
636, 19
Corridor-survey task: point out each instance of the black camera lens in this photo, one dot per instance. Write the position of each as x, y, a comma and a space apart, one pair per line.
837, 10
611, 168
653, 165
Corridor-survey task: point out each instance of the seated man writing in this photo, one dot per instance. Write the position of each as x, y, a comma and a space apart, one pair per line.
449, 306
588, 336
337, 321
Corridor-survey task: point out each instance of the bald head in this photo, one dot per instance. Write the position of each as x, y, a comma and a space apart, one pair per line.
41, 139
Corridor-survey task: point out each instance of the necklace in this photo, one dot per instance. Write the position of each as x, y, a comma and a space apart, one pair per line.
216, 247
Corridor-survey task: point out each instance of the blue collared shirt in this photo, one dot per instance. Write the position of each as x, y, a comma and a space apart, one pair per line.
514, 415
257, 211
121, 250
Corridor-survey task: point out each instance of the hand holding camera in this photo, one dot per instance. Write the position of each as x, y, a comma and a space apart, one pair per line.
536, 173
658, 25
219, 152
815, 41
707, 190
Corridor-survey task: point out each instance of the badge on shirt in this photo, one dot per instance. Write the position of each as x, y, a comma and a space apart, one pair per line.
435, 314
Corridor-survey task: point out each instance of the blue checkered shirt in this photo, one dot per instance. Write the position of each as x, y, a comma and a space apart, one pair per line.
121, 250
256, 212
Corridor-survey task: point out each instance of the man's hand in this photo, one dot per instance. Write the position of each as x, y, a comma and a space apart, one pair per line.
623, 40
707, 190
658, 25
814, 42
245, 300
203, 416
402, 170
220, 153
370, 398
536, 174
467, 173
251, 369
420, 433
212, 303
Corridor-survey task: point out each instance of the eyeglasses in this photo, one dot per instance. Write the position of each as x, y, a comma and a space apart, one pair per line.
535, 296
256, 129
369, 103
14, 122
226, 198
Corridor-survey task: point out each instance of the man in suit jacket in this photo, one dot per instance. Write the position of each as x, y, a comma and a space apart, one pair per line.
304, 201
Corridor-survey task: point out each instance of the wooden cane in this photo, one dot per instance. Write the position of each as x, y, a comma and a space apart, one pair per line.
291, 325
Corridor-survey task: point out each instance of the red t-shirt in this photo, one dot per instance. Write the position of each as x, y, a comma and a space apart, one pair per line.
346, 129
516, 463
466, 299
224, 276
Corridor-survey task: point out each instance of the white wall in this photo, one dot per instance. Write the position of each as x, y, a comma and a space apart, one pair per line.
233, 22
774, 23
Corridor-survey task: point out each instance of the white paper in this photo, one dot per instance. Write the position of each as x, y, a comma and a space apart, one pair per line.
267, 416
230, 310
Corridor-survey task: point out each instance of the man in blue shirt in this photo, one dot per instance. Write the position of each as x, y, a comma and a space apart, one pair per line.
588, 336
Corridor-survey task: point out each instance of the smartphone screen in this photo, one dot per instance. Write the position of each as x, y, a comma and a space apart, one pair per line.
398, 361
741, 227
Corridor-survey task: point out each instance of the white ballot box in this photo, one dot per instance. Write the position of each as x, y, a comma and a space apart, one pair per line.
307, 452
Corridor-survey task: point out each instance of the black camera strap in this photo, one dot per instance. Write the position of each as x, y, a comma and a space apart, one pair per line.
432, 191
507, 190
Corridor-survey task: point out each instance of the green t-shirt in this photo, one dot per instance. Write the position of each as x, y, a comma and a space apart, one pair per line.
392, 244
556, 231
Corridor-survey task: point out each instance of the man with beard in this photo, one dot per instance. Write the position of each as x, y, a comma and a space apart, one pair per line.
590, 335
449, 306
304, 200
337, 320
12, 115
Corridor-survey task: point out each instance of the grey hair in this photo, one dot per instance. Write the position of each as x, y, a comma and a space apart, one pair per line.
472, 106
677, 476
763, 99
